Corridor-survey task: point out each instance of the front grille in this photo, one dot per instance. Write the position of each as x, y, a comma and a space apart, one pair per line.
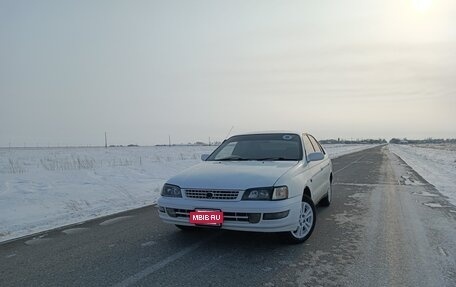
212, 194
235, 216
182, 212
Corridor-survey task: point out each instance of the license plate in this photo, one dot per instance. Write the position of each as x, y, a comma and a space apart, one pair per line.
206, 217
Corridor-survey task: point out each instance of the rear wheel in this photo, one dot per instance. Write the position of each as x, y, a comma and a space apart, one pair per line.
306, 222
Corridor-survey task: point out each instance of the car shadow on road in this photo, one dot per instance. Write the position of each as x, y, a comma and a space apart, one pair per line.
241, 239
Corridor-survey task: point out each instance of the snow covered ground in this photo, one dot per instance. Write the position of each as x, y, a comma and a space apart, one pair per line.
435, 163
44, 188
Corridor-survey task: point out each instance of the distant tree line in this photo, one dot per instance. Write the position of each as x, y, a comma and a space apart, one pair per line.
422, 141
351, 141
198, 143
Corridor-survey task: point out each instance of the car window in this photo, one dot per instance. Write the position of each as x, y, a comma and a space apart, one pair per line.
260, 147
315, 144
320, 146
308, 146
227, 151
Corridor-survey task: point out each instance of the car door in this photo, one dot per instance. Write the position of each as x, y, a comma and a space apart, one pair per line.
313, 168
324, 166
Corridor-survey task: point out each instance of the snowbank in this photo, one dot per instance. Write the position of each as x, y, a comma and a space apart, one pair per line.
435, 165
337, 150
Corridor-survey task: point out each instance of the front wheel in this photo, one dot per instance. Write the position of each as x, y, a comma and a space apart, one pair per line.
306, 222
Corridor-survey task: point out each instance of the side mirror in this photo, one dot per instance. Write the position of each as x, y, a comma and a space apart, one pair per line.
315, 156
204, 157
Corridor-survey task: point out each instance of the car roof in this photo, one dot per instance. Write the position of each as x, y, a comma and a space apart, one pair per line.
270, 132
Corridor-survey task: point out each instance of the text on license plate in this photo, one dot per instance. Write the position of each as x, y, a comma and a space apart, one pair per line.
206, 217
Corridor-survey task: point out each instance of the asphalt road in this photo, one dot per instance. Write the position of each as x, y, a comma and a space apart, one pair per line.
385, 227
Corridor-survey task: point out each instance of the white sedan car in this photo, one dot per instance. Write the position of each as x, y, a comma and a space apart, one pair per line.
261, 182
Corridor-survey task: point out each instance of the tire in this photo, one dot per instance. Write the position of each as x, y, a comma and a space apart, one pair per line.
186, 228
326, 201
307, 219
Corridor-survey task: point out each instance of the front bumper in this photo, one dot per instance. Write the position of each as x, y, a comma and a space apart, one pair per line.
236, 213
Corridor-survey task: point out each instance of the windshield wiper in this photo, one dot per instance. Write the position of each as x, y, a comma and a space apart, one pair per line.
233, 158
274, 158
238, 158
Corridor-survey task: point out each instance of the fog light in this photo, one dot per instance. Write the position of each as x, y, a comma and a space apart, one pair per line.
171, 212
254, 217
161, 209
275, 215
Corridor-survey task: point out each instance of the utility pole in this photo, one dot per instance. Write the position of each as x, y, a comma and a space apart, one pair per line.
209, 141
169, 140
106, 141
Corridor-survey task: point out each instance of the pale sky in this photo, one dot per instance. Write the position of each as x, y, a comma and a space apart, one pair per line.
143, 70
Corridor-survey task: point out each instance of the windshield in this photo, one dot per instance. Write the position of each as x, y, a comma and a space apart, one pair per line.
259, 147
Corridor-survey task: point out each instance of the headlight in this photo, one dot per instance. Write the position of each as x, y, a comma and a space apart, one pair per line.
260, 193
171, 191
280, 192
266, 193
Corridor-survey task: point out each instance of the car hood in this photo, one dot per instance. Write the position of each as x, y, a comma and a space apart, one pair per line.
232, 175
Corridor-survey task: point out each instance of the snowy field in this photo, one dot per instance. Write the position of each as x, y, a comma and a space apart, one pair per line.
435, 163
44, 188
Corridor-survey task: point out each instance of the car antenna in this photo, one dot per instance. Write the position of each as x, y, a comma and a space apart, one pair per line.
229, 132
